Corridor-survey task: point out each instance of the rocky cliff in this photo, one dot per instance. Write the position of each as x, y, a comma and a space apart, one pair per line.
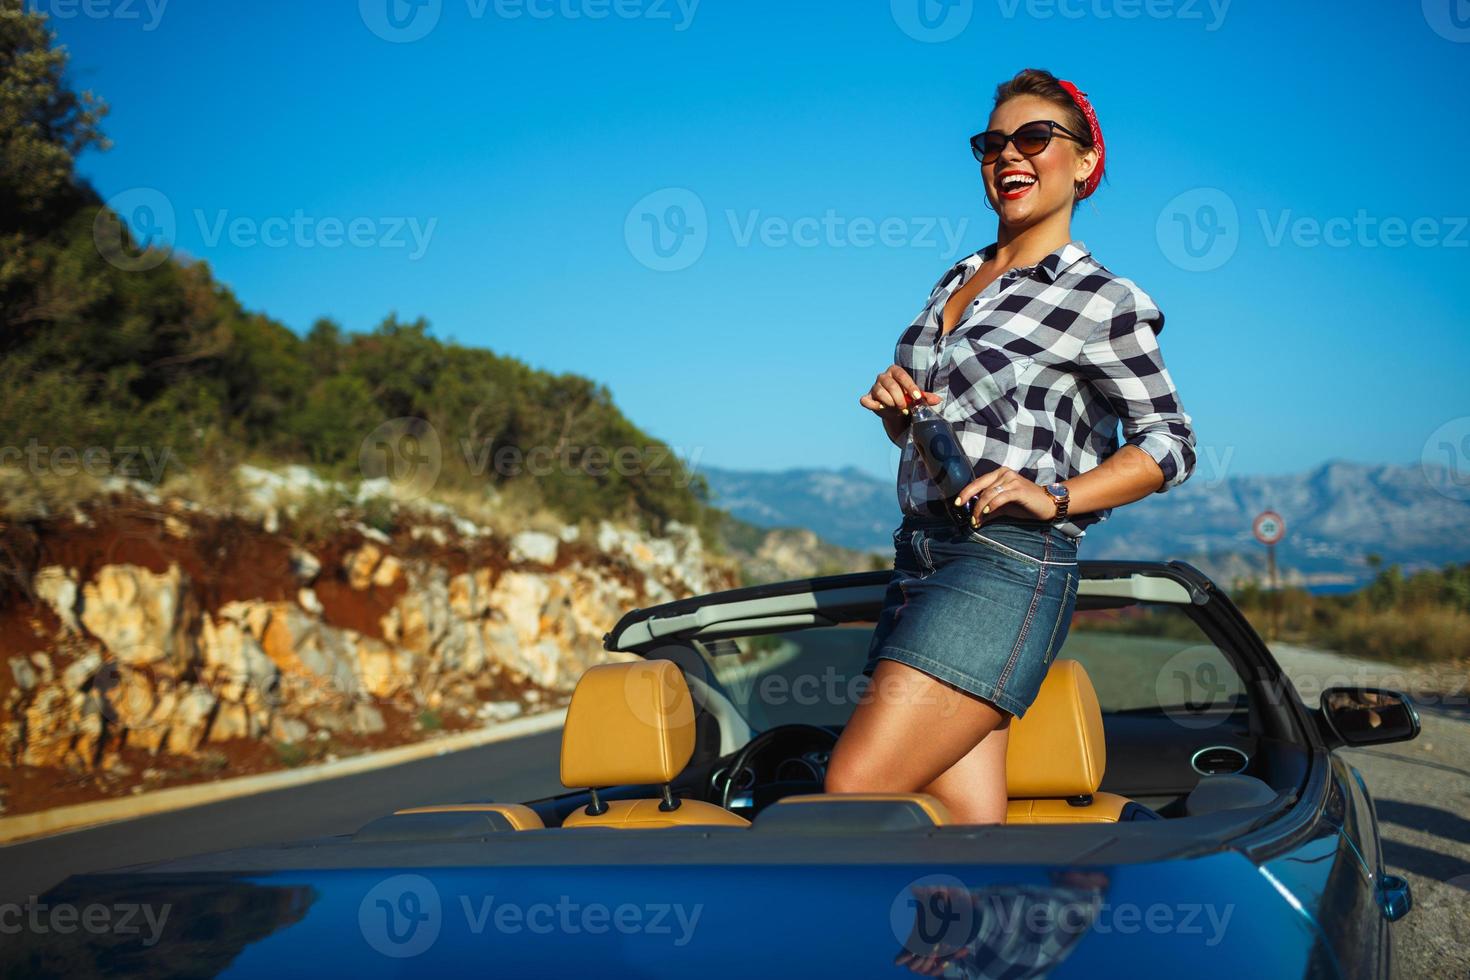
139, 629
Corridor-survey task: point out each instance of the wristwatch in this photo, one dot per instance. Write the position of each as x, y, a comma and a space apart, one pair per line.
1059, 495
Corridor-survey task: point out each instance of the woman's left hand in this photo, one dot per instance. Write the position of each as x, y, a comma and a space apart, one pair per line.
1004, 491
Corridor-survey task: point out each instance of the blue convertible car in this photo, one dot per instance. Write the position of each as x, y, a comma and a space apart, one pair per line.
1175, 810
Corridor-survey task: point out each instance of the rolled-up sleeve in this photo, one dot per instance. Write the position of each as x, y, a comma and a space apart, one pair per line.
1122, 360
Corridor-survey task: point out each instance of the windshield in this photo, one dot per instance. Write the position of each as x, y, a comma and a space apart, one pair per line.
1142, 657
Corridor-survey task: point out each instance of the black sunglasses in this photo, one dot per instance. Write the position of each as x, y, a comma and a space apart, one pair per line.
1030, 139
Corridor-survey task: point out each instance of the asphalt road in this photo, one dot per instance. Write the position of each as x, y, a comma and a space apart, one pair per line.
522, 769
1421, 790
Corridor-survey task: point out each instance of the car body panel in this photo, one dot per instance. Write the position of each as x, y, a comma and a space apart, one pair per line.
1206, 917
1291, 888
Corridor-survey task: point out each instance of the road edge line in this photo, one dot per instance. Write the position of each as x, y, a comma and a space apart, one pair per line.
28, 827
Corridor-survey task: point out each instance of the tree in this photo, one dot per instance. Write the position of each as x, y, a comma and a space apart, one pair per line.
43, 127
43, 124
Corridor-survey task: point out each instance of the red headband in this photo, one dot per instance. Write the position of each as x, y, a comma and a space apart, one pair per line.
1080, 98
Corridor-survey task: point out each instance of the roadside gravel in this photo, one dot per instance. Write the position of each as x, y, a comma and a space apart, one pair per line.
1422, 793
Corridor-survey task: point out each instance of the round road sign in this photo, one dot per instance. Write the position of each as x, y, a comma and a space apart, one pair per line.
1269, 527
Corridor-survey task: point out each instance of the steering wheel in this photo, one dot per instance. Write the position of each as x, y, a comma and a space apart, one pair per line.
742, 759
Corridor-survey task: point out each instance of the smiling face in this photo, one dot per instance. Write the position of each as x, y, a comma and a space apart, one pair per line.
1026, 190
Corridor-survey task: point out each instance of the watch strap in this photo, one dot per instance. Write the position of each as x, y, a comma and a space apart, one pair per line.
1061, 500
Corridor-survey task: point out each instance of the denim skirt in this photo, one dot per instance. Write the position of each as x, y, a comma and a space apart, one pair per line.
984, 610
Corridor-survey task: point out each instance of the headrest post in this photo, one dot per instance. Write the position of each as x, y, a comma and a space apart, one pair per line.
597, 806
670, 802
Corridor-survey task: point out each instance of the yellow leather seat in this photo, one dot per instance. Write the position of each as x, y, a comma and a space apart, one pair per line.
1056, 755
632, 723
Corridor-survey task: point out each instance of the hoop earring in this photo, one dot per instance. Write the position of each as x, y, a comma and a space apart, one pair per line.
988, 206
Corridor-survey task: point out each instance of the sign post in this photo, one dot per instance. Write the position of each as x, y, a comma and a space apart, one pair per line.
1269, 527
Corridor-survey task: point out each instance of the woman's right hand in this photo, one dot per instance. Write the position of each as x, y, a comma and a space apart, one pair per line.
892, 392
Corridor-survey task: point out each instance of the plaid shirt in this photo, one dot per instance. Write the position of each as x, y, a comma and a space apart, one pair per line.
1039, 371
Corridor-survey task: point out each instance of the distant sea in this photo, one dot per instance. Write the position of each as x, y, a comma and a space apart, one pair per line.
1335, 588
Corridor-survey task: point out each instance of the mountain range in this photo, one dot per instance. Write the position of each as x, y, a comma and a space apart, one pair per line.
1336, 514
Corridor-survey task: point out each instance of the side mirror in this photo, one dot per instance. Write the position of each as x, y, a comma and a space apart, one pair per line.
1368, 715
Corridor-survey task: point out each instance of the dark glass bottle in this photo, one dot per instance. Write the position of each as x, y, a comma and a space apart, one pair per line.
939, 449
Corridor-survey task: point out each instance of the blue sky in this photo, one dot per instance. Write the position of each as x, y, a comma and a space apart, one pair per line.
502, 175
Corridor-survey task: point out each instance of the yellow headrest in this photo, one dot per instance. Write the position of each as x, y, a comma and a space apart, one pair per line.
627, 723
1057, 749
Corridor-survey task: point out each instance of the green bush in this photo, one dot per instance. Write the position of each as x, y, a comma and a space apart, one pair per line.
1418, 617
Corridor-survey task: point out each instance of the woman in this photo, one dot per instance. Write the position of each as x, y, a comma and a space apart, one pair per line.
1035, 353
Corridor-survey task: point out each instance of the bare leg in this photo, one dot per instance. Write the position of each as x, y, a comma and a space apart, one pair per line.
974, 789
909, 730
